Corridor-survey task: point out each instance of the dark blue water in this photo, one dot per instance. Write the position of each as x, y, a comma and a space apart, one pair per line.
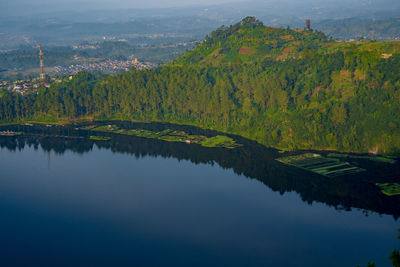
106, 207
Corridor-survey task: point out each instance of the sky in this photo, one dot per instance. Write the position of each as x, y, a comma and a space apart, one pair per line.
108, 3
34, 5
10, 8
26, 7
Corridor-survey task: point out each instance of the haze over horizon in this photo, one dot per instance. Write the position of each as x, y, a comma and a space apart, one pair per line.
59, 5
63, 22
27, 6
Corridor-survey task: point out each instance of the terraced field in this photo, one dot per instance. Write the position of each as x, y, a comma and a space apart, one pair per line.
374, 158
330, 167
171, 136
389, 189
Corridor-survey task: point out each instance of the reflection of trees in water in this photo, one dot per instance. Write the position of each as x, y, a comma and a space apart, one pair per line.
252, 160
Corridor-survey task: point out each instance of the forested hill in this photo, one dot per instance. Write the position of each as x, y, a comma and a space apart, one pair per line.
249, 41
284, 88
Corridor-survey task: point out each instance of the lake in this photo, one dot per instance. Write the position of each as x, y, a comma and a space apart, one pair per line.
67, 200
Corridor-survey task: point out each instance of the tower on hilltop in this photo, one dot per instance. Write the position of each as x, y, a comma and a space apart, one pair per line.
41, 64
308, 24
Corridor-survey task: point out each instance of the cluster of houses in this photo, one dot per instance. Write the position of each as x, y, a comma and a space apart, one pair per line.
107, 66
21, 87
24, 87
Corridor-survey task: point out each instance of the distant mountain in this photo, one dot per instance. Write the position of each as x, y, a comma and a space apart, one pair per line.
355, 28
62, 23
149, 31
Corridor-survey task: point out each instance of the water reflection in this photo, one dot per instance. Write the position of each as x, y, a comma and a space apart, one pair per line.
251, 160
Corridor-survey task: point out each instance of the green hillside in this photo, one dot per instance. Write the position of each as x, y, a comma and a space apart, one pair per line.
249, 40
285, 88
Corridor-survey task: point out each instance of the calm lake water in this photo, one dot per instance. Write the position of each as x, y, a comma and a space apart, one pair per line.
67, 200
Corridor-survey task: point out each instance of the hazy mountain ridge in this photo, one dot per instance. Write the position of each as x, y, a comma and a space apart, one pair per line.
365, 28
55, 25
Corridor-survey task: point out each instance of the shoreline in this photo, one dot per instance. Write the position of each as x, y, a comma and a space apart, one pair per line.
281, 150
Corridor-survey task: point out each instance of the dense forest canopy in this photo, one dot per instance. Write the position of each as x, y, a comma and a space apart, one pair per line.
284, 88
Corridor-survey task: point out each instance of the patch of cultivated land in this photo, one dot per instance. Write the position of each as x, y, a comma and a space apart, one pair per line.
171, 136
316, 163
389, 189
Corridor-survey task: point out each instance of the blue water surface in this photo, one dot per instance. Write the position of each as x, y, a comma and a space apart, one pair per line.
105, 208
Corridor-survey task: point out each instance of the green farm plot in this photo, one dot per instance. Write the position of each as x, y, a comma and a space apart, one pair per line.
389, 189
99, 138
316, 163
173, 136
219, 141
374, 158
